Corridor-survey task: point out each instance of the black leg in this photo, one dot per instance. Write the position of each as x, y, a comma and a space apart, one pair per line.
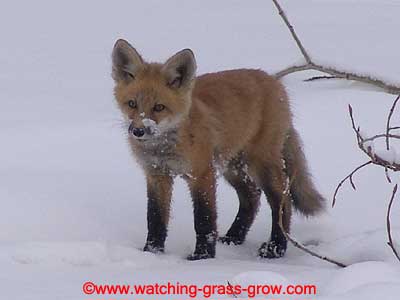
273, 180
249, 201
205, 215
159, 190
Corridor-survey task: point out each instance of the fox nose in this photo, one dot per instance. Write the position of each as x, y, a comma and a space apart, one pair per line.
138, 132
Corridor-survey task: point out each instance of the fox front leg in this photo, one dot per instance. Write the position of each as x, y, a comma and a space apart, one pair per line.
159, 191
203, 188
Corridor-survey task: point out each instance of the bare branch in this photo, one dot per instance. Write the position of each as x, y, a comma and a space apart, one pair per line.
233, 294
292, 240
388, 121
390, 243
389, 88
350, 177
387, 175
310, 65
375, 159
319, 78
290, 70
294, 35
383, 135
340, 74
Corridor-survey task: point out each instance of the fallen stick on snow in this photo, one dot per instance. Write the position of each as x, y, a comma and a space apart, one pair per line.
286, 195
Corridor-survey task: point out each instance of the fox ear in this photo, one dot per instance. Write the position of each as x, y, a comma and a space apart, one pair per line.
180, 69
126, 61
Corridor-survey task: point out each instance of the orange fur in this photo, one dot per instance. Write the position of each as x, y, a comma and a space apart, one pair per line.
217, 120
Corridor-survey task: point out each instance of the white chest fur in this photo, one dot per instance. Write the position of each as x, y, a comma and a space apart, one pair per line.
160, 155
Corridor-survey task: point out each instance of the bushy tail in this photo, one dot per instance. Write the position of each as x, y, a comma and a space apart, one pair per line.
305, 197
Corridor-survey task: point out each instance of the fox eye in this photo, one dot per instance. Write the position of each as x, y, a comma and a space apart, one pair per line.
132, 104
158, 107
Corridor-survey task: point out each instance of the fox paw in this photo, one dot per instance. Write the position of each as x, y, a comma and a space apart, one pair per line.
272, 249
149, 247
234, 240
198, 256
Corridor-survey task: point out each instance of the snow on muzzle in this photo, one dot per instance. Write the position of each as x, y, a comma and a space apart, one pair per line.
150, 129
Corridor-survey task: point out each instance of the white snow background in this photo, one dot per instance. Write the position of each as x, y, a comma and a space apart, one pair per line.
73, 203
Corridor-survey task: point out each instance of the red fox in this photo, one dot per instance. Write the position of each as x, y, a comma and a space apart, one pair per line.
238, 121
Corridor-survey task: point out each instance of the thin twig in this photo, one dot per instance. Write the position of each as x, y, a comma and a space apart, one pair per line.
383, 135
319, 78
231, 286
390, 243
294, 35
340, 74
292, 240
350, 177
377, 160
312, 253
387, 175
388, 121
310, 65
291, 69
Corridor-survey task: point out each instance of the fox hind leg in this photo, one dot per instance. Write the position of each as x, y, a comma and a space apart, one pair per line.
249, 201
273, 179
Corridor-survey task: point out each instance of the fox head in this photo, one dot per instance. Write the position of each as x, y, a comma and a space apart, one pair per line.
153, 97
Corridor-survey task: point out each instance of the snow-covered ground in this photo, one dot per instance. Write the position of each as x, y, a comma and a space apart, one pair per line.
72, 199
